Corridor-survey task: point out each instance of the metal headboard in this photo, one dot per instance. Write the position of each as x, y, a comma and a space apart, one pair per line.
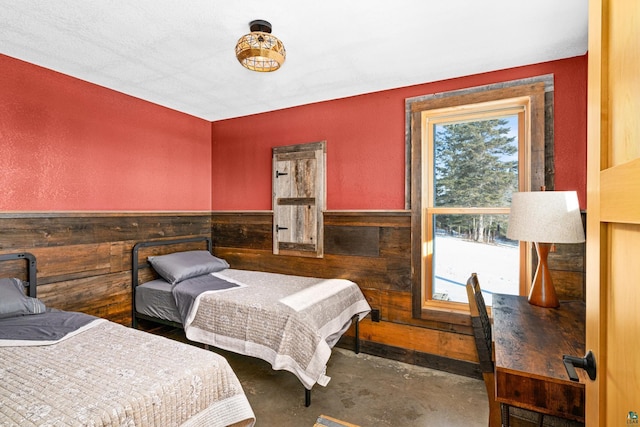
32, 282
135, 266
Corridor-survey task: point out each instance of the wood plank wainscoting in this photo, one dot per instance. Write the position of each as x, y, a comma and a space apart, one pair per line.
371, 248
84, 258
84, 264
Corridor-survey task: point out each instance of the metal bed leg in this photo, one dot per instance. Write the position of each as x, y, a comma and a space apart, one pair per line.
357, 349
307, 393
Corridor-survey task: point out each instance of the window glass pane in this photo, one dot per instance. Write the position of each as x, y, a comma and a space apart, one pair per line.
475, 162
475, 243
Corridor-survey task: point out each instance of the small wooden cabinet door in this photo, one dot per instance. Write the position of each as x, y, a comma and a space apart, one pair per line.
298, 199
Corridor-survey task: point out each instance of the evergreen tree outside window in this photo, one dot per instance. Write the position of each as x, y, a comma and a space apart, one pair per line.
474, 164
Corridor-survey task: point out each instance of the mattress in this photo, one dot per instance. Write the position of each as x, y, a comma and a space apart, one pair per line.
111, 375
155, 299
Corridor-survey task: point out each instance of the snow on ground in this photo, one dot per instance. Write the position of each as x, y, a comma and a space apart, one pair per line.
496, 266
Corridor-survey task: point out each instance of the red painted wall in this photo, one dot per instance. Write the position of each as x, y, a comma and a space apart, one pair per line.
366, 141
66, 144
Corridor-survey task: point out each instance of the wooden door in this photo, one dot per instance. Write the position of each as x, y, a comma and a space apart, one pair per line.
298, 199
613, 212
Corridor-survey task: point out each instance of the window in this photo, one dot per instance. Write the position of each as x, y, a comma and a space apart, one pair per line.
472, 163
469, 153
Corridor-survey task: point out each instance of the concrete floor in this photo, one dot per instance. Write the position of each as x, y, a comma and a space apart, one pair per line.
364, 390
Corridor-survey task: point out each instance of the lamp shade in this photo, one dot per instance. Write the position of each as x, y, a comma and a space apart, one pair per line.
545, 216
259, 50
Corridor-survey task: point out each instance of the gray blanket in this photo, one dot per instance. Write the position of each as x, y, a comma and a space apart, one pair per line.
186, 292
292, 322
41, 329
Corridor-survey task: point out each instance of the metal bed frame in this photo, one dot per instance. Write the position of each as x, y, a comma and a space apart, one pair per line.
135, 282
31, 282
135, 269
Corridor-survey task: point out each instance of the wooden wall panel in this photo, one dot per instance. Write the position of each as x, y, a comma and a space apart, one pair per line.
107, 295
68, 228
84, 264
364, 241
424, 340
84, 258
394, 307
373, 250
568, 271
377, 257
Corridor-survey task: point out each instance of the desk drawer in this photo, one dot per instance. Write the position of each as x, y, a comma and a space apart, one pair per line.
561, 398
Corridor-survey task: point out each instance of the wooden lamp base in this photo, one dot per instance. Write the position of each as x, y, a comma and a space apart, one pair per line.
542, 292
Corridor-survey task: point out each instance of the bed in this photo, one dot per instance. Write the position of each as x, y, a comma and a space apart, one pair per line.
72, 369
290, 321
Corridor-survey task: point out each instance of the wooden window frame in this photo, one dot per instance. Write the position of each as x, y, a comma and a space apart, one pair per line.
519, 107
533, 89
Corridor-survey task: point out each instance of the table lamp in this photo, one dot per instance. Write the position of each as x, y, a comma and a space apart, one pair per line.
545, 218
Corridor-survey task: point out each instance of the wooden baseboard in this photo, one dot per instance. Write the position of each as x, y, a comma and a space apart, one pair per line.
433, 361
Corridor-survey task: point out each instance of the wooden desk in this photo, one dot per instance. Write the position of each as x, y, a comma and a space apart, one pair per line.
529, 344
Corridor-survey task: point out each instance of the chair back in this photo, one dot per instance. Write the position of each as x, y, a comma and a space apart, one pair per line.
481, 323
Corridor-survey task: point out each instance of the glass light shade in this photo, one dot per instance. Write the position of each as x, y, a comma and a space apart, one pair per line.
545, 216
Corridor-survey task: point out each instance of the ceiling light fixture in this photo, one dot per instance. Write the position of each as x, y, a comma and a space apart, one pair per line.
259, 50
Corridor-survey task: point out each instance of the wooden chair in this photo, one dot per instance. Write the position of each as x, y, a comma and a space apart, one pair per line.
499, 414
482, 334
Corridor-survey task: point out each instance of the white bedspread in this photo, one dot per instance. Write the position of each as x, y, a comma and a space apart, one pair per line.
111, 375
292, 322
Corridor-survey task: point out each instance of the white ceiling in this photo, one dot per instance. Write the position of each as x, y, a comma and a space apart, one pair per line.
180, 53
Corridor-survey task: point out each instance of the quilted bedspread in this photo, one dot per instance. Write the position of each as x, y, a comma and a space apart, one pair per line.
111, 375
291, 322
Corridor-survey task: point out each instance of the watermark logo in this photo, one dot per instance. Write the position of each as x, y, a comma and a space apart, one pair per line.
632, 418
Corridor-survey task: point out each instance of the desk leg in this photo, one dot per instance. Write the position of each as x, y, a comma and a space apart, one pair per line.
504, 414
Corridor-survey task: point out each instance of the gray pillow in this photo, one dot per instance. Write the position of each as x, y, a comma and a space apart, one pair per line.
13, 301
179, 266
